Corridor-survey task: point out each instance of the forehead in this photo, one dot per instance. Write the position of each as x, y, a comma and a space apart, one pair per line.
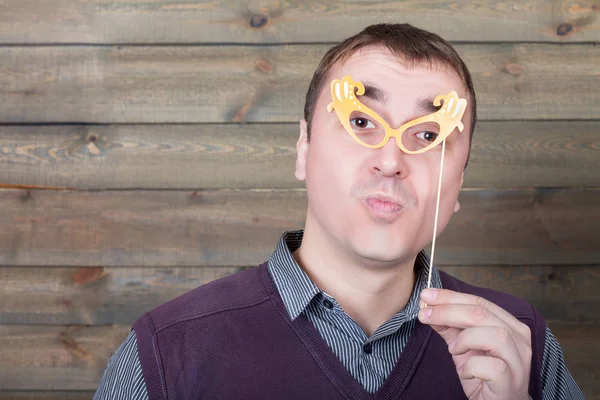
378, 66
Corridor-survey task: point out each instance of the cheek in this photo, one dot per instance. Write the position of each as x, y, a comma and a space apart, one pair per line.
423, 174
333, 159
425, 178
324, 173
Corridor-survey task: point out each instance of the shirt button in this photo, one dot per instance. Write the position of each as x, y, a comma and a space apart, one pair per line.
328, 304
368, 348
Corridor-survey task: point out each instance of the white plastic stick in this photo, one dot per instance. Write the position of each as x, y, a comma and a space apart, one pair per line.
437, 209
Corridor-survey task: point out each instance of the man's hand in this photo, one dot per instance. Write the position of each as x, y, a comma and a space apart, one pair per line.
491, 349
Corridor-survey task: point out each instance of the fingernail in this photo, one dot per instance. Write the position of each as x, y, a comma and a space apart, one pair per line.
426, 313
451, 345
428, 294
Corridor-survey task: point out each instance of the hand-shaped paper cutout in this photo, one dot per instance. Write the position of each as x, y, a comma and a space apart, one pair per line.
371, 130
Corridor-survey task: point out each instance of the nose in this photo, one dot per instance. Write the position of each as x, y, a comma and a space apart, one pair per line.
390, 161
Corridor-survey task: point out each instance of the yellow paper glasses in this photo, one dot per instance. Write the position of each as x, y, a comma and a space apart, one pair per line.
371, 130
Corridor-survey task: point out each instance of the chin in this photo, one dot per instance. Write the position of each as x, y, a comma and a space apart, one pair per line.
381, 250
385, 258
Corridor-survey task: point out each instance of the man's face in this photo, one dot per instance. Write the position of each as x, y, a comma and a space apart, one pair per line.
378, 205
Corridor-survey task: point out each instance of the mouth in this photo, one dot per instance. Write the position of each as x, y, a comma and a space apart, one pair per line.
383, 205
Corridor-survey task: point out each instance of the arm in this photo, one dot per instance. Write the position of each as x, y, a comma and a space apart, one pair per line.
557, 381
123, 377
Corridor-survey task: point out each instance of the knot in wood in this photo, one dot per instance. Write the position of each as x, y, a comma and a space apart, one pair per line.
87, 275
264, 66
514, 69
257, 21
564, 29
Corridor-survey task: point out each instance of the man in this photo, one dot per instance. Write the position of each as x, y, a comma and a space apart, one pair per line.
342, 309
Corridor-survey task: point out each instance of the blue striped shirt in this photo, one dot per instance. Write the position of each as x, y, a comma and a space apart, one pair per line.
369, 359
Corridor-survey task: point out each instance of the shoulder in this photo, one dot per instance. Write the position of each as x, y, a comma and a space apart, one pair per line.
239, 290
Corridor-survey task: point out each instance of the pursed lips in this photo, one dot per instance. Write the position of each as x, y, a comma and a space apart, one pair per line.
383, 204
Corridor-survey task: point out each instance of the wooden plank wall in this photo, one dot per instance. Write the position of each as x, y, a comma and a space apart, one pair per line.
164, 133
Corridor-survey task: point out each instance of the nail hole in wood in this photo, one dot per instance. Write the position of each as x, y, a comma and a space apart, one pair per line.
564, 29
257, 21
25, 197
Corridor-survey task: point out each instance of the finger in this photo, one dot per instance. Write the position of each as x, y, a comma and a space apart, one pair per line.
496, 341
435, 297
447, 333
492, 370
486, 368
460, 316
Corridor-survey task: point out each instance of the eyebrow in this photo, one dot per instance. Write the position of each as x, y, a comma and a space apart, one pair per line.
427, 105
374, 93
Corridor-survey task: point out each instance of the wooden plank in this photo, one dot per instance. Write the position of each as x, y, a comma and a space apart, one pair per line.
74, 358
150, 156
524, 227
155, 21
46, 395
534, 154
562, 293
241, 228
145, 228
504, 154
59, 357
103, 84
102, 296
94, 295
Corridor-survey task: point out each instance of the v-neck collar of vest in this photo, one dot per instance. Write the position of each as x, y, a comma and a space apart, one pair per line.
333, 368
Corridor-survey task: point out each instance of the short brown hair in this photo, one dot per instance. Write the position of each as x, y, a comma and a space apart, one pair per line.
412, 44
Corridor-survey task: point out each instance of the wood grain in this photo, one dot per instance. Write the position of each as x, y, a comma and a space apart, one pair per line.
534, 154
524, 227
46, 395
562, 293
74, 358
103, 296
504, 154
94, 295
241, 228
56, 358
139, 84
106, 21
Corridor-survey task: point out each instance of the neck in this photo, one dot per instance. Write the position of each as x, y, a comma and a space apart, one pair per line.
370, 292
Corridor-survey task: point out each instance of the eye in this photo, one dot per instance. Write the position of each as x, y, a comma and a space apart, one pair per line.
427, 135
362, 123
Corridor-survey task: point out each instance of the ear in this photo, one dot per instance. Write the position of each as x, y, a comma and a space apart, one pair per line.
457, 205
301, 150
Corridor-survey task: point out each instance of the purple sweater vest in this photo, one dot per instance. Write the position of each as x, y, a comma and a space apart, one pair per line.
233, 339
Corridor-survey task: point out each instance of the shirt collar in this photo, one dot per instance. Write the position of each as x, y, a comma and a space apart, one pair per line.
297, 290
295, 287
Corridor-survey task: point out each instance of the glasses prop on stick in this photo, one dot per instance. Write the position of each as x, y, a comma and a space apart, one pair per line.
370, 130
